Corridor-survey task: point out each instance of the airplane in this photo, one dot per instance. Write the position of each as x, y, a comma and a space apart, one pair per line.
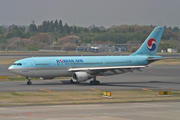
83, 68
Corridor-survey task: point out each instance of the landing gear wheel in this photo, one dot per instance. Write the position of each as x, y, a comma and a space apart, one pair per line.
72, 82
92, 82
29, 81
97, 82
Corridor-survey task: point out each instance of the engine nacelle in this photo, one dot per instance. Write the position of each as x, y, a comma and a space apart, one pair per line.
46, 78
81, 76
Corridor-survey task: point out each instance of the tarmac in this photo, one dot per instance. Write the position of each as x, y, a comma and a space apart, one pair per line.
165, 110
159, 77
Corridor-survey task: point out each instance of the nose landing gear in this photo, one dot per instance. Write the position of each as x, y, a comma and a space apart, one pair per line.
29, 81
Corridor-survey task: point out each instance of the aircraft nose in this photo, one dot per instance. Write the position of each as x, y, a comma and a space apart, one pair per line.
10, 68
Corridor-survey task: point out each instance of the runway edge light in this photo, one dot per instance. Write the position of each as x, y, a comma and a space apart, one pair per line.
107, 94
165, 93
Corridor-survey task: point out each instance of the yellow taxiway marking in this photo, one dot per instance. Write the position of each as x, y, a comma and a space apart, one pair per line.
146, 89
95, 89
45, 90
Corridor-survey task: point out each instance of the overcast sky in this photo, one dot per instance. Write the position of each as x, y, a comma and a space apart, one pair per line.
88, 12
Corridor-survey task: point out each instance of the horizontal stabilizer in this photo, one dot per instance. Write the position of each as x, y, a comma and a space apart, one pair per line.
151, 59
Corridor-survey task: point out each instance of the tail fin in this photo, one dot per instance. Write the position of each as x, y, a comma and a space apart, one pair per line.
150, 45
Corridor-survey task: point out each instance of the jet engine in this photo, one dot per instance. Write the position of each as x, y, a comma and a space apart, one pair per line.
81, 76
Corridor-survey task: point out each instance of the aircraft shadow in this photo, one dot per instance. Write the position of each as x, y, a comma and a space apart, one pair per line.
116, 84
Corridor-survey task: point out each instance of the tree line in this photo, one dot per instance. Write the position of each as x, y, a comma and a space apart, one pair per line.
131, 34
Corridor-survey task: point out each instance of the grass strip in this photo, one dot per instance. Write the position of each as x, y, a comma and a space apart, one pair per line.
80, 97
32, 78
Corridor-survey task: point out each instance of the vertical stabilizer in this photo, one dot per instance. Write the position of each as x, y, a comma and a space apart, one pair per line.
150, 45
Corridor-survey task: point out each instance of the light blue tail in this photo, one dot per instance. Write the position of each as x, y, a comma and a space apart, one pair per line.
150, 45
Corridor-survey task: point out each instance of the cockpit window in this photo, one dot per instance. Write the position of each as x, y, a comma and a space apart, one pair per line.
17, 64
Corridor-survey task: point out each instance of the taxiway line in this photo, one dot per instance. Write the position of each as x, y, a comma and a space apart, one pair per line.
146, 89
95, 89
45, 90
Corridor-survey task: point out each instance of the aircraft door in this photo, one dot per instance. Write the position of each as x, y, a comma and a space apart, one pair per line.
53, 62
31, 68
134, 61
104, 62
31, 63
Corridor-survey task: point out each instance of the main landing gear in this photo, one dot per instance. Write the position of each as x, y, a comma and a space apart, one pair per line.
94, 81
29, 81
72, 82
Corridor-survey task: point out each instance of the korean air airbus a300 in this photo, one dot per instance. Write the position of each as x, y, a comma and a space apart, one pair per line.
83, 68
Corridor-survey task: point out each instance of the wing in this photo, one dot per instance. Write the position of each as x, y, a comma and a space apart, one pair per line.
104, 68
